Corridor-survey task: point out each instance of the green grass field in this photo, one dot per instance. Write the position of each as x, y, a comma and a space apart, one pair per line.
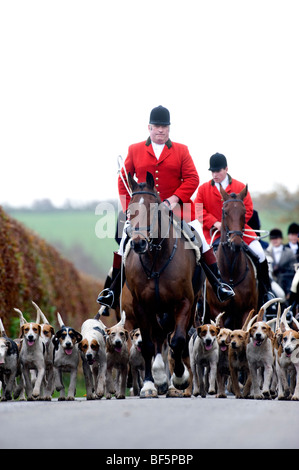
74, 234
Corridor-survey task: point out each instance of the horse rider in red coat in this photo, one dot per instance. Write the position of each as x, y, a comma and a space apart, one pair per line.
209, 201
176, 179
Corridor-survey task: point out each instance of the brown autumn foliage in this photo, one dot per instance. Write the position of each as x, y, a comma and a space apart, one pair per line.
31, 269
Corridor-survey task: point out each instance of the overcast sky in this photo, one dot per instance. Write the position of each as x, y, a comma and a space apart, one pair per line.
79, 78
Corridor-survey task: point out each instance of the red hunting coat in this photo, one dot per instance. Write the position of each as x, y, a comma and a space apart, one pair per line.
174, 173
209, 203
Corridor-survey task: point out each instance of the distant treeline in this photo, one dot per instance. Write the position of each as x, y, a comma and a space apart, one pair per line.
279, 198
46, 205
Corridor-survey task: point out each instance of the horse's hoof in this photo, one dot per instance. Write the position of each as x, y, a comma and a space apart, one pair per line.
148, 394
148, 391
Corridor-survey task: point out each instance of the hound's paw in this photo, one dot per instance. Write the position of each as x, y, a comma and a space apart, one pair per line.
259, 397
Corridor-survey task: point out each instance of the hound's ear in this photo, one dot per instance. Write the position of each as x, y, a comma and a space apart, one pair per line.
55, 339
271, 333
131, 334
127, 335
79, 337
21, 335
279, 338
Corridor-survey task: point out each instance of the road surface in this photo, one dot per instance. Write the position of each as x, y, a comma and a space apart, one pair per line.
161, 423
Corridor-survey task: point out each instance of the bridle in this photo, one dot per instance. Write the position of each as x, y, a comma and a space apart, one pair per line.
228, 232
229, 242
151, 272
150, 245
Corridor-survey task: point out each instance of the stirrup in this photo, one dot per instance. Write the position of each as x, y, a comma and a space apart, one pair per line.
224, 292
105, 296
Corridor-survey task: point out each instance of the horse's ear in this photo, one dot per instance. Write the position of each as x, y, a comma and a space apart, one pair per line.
132, 182
224, 194
150, 180
243, 193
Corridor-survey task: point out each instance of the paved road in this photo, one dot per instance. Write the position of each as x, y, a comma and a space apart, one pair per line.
134, 423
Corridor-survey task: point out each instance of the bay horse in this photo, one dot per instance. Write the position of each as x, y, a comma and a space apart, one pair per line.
164, 279
236, 268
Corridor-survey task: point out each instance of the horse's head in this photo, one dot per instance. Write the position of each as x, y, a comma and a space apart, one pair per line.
143, 211
233, 218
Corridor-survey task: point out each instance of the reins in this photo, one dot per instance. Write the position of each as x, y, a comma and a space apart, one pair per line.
152, 272
228, 243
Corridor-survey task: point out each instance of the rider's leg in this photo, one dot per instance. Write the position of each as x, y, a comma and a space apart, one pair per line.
109, 297
294, 294
262, 271
210, 267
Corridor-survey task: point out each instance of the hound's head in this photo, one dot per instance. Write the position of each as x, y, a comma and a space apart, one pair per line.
66, 337
208, 334
260, 332
47, 332
117, 338
91, 344
30, 332
290, 343
238, 339
136, 338
223, 338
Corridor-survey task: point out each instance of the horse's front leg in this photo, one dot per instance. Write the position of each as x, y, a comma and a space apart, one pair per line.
180, 377
159, 367
148, 351
148, 390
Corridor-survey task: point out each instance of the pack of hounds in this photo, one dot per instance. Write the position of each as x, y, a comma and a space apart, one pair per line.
259, 361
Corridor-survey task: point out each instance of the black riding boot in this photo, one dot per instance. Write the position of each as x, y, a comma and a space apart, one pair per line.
264, 280
109, 297
266, 293
293, 301
222, 290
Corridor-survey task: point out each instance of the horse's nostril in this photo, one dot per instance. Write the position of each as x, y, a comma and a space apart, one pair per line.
139, 246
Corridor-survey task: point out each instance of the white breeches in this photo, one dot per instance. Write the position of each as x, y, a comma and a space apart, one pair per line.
295, 282
197, 226
257, 248
194, 223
